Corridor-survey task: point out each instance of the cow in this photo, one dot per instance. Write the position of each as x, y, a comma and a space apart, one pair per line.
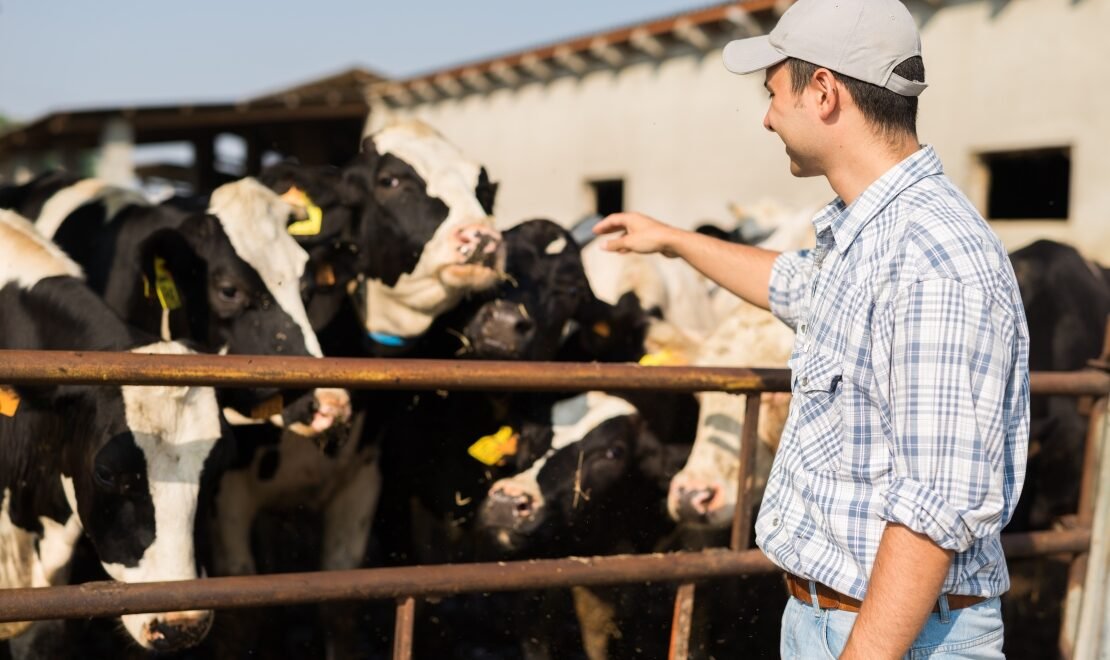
119, 465
704, 492
411, 217
591, 482
1066, 300
228, 279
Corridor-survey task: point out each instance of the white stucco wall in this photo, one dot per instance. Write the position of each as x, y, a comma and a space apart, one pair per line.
686, 136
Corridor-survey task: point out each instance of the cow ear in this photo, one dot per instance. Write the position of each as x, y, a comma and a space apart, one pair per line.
171, 272
485, 191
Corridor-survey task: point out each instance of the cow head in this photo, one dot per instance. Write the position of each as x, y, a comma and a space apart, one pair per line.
132, 474
600, 458
426, 229
236, 275
704, 491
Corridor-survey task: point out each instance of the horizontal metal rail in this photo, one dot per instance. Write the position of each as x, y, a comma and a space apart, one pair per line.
105, 368
108, 368
97, 599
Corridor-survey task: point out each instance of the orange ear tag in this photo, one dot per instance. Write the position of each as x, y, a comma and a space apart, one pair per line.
268, 408
9, 401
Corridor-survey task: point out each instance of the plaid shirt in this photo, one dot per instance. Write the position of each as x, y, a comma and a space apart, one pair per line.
910, 386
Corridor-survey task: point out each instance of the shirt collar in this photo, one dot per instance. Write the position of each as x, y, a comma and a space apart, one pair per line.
846, 221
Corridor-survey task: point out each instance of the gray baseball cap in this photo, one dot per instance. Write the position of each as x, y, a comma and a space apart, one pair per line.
864, 39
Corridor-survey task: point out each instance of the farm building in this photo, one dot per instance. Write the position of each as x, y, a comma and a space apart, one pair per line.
645, 117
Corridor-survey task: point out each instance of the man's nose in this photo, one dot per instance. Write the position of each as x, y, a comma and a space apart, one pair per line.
767, 121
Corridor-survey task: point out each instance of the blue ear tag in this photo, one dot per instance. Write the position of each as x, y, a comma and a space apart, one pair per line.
393, 341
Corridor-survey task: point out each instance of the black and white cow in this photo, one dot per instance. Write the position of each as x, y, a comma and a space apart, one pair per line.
228, 279
121, 465
412, 216
595, 485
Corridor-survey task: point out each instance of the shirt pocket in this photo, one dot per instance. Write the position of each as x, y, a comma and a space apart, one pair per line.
820, 428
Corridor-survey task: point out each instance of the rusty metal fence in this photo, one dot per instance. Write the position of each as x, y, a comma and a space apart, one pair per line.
406, 584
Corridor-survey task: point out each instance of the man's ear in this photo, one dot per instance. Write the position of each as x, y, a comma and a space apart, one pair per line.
825, 91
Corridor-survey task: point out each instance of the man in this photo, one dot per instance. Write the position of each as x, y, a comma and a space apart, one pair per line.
904, 452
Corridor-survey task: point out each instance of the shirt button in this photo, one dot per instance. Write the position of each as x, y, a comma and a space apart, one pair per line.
804, 381
774, 522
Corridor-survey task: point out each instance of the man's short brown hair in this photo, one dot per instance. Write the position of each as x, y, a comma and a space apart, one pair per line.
891, 113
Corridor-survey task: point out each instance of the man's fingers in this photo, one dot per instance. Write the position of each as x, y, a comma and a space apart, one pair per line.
610, 224
615, 245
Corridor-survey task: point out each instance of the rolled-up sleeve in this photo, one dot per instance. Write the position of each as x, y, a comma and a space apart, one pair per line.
790, 275
950, 386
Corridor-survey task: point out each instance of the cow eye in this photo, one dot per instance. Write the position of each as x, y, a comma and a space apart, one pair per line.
389, 181
228, 293
104, 478
614, 453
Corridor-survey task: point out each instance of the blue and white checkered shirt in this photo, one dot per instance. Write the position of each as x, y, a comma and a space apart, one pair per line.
910, 386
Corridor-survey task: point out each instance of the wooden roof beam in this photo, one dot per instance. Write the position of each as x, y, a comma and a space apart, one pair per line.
424, 89
643, 41
692, 34
606, 52
505, 73
744, 21
449, 84
476, 79
535, 66
571, 60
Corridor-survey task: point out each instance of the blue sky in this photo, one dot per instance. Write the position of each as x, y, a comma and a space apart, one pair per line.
57, 54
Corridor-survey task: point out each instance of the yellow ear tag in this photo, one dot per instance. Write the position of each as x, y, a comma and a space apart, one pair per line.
268, 408
491, 449
9, 401
310, 226
602, 329
663, 358
163, 284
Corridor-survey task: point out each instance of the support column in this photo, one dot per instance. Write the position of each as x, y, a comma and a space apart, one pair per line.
116, 164
204, 163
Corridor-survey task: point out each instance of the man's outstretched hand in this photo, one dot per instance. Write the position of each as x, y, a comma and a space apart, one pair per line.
641, 234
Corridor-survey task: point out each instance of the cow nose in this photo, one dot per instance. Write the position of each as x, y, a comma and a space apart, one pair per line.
477, 244
505, 508
333, 406
178, 630
695, 503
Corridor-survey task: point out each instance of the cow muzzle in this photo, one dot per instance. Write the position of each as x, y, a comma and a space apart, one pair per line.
325, 410
479, 258
173, 631
501, 330
699, 503
509, 514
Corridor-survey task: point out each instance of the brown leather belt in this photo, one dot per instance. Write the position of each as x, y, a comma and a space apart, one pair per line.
828, 599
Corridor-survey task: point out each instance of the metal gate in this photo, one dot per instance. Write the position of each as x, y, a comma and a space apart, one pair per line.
1084, 613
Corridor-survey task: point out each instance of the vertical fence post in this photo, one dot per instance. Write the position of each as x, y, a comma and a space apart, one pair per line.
1092, 638
681, 622
402, 628
1077, 572
745, 477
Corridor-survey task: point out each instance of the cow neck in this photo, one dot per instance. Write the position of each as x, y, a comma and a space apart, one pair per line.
67, 200
405, 311
254, 219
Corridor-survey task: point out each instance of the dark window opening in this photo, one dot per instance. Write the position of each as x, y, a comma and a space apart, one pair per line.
1028, 185
609, 196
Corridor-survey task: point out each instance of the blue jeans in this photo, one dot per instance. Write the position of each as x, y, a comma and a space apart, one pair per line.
971, 632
